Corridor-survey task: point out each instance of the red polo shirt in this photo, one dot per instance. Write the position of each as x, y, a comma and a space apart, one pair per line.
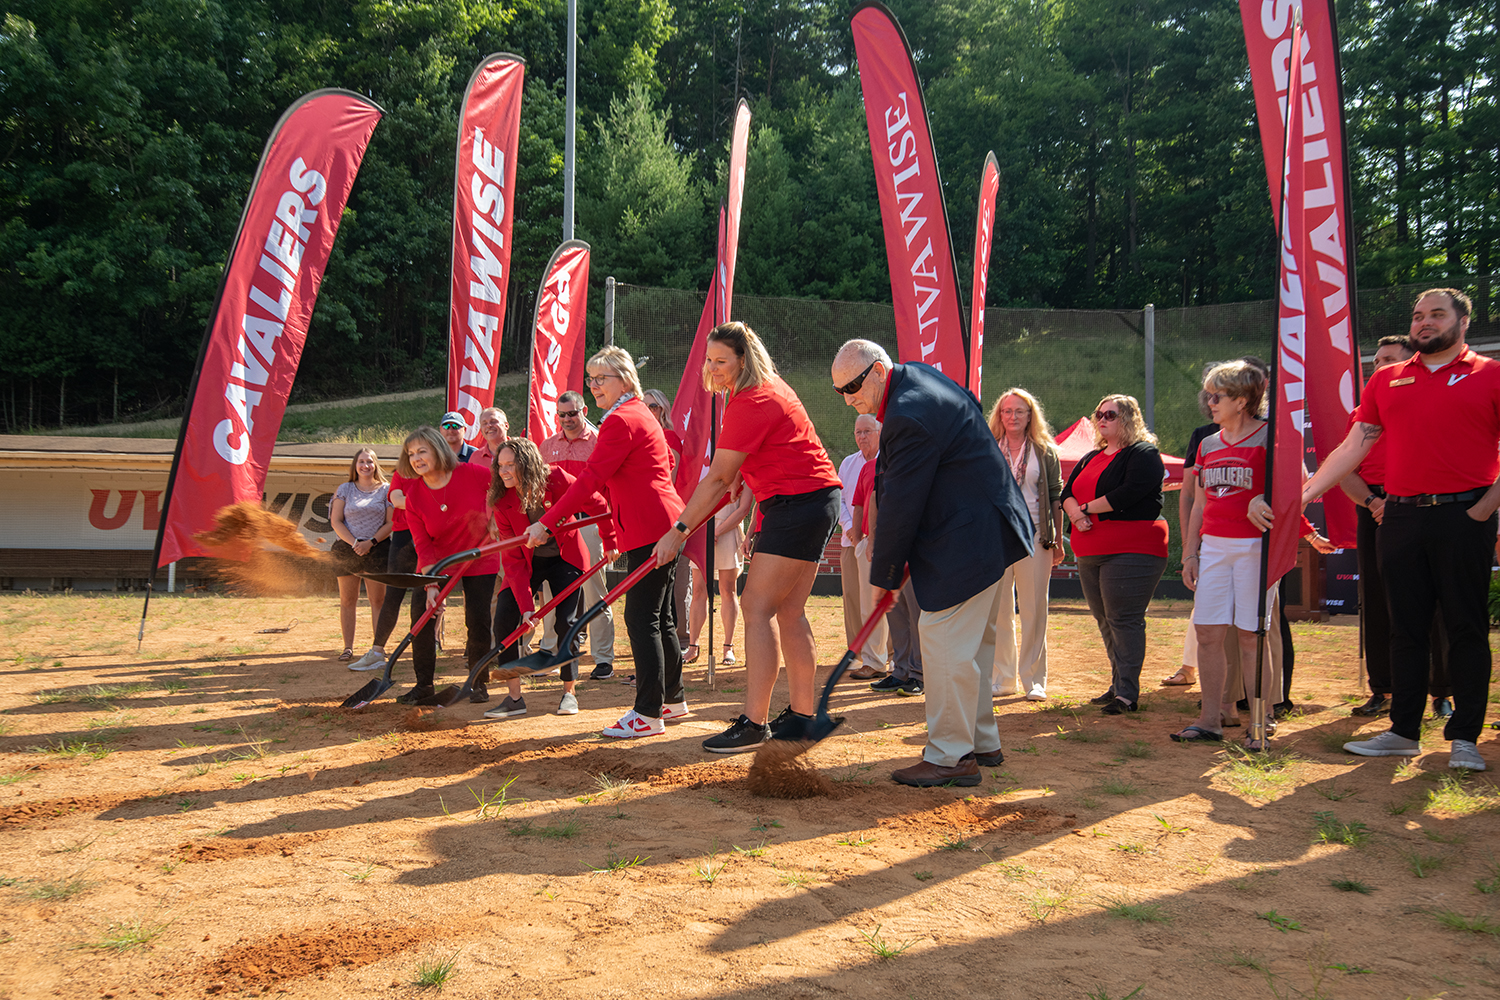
783, 455
1442, 428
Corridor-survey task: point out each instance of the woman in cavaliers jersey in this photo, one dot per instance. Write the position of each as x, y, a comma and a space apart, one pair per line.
1221, 553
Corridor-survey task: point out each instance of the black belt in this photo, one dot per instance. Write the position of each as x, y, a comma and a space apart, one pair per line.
1434, 499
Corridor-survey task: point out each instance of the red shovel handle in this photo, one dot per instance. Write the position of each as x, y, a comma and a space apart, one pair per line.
881, 607
557, 599
641, 571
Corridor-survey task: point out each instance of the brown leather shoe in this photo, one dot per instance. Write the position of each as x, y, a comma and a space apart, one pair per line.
924, 774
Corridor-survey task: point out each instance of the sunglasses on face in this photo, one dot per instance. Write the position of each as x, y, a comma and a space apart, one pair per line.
1102, 415
453, 427
854, 384
567, 413
598, 380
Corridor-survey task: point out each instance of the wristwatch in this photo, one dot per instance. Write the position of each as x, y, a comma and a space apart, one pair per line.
680, 528
1369, 499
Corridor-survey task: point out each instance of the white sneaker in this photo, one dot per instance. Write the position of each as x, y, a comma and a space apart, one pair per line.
373, 660
1037, 693
568, 705
673, 712
1387, 744
1002, 691
1464, 755
632, 723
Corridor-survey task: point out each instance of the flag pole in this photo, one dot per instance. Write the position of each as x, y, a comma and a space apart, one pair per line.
716, 289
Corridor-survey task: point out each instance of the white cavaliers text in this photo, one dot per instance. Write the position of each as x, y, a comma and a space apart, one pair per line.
255, 351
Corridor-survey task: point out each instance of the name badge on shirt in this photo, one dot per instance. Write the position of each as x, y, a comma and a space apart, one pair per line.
1403, 381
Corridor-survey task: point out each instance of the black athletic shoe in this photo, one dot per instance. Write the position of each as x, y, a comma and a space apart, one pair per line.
986, 759
416, 695
887, 683
1103, 699
1243, 705
602, 671
1378, 704
741, 737
480, 694
1118, 707
788, 725
909, 689
1442, 708
1282, 709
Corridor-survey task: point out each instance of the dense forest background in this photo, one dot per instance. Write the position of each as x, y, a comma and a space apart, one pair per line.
1131, 165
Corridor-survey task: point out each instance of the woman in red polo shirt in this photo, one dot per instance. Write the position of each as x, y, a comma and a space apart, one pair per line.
631, 467
522, 487
768, 442
1113, 499
447, 512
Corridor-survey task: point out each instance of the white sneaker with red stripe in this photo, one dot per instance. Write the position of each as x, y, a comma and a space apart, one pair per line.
673, 711
635, 724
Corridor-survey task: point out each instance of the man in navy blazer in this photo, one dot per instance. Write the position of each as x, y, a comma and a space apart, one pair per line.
950, 511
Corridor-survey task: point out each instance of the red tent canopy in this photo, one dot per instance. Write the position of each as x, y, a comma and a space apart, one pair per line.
1078, 440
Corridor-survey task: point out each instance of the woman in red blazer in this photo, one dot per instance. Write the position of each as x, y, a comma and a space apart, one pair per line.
522, 487
445, 511
631, 467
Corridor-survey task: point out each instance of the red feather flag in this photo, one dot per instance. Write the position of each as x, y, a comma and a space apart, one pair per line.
557, 337
984, 230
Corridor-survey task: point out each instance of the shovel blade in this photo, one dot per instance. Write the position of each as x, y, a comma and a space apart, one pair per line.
404, 581
367, 694
445, 697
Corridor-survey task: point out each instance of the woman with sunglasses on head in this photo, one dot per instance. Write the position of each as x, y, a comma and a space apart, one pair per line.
1113, 499
767, 443
630, 466
447, 513
522, 487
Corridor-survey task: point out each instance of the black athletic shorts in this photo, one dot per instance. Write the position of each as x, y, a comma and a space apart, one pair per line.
798, 526
350, 563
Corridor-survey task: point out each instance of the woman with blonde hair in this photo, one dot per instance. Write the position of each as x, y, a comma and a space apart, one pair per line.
631, 467
446, 512
522, 487
362, 521
1030, 453
1113, 499
768, 445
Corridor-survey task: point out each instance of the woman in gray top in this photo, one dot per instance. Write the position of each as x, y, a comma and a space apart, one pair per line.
361, 518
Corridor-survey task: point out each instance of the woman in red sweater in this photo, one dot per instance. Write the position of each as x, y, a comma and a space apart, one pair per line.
630, 466
522, 487
446, 513
768, 442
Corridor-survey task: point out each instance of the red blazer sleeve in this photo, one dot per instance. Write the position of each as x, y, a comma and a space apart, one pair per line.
510, 521
570, 543
610, 452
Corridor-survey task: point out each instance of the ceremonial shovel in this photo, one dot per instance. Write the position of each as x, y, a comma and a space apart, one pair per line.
451, 695
415, 581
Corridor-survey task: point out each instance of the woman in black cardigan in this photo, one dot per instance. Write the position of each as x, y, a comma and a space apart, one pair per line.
1113, 499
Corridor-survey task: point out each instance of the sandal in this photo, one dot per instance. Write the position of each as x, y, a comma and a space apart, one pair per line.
728, 658
691, 656
346, 655
1179, 679
1197, 734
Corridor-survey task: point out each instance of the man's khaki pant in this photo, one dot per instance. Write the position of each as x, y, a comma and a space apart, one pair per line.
877, 649
958, 663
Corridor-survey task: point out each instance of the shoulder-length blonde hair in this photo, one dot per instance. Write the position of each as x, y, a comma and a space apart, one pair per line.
749, 348
441, 453
531, 472
660, 399
619, 361
354, 463
1132, 424
1037, 430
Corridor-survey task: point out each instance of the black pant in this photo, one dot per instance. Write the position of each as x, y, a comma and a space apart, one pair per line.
1438, 559
400, 558
1375, 606
651, 623
558, 572
477, 593
1119, 589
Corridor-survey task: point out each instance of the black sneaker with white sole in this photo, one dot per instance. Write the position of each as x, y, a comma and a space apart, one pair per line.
602, 671
909, 689
742, 736
887, 683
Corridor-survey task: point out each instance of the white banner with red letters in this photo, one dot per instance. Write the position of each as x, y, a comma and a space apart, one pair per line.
258, 326
557, 341
1325, 255
914, 217
484, 190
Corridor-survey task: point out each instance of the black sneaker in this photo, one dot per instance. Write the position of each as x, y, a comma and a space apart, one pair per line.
416, 695
994, 759
1103, 699
1378, 704
1442, 708
887, 683
602, 671
1118, 707
741, 737
1282, 709
909, 689
480, 694
789, 725
507, 708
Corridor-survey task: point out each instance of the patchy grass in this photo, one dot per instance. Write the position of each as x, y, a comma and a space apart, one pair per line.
58, 890
1424, 865
434, 973
1461, 796
566, 830
1140, 913
884, 950
1351, 885
1261, 775
128, 934
1332, 830
1480, 924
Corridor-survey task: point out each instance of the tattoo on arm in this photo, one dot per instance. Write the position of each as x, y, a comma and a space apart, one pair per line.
1370, 432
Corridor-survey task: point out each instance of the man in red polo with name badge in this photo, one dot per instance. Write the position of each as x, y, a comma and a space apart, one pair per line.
1438, 415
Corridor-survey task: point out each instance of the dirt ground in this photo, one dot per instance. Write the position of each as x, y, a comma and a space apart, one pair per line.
202, 819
